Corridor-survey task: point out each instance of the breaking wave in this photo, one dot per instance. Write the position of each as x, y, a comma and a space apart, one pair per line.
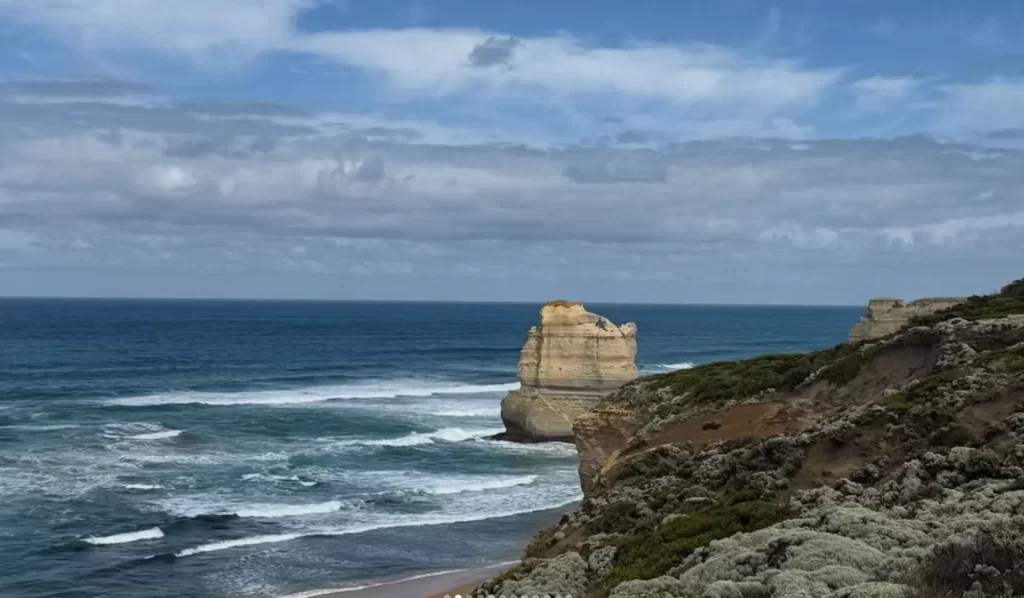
316, 394
420, 438
152, 533
420, 522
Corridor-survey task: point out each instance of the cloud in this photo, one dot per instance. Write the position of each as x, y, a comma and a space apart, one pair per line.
616, 168
994, 104
75, 88
1014, 133
632, 137
495, 51
878, 93
430, 62
165, 195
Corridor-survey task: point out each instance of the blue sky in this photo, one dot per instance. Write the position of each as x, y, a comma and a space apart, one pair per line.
730, 151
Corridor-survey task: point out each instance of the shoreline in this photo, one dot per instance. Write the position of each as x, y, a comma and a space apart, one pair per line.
437, 584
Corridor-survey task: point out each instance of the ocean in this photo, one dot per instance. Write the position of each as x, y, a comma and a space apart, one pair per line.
154, 449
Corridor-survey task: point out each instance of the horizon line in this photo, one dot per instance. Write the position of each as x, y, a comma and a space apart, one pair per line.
433, 301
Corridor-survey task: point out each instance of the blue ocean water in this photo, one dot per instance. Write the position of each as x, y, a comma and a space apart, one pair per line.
193, 448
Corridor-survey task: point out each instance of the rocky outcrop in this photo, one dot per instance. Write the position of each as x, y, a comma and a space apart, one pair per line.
885, 316
889, 469
571, 359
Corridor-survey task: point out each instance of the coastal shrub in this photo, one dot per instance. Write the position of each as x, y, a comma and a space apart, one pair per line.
1008, 301
727, 380
1009, 360
987, 565
652, 554
923, 392
845, 369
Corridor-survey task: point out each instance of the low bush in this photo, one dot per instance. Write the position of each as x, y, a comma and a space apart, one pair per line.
990, 565
1009, 300
650, 555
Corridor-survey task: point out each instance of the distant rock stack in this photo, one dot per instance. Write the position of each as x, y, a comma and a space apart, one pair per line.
570, 361
885, 316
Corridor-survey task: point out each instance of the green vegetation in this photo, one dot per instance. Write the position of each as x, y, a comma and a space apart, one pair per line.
1009, 360
920, 394
845, 369
726, 380
990, 565
650, 555
1009, 300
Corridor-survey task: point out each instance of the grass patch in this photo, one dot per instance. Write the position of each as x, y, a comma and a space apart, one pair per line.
1008, 301
923, 392
652, 554
727, 380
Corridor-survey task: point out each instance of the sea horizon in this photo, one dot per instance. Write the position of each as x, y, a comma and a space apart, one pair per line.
538, 302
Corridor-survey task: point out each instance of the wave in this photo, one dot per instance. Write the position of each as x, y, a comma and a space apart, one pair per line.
328, 532
157, 435
41, 428
141, 486
152, 533
290, 510
421, 438
551, 448
494, 411
458, 487
683, 365
261, 477
316, 394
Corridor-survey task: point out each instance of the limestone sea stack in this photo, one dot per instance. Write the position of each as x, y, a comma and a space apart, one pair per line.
571, 360
885, 316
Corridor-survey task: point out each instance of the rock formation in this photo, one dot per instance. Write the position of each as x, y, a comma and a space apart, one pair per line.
571, 359
889, 469
885, 316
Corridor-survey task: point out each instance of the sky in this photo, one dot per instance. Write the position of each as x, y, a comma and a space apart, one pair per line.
794, 152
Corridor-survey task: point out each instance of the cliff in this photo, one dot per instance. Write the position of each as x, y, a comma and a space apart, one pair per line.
889, 469
571, 359
886, 316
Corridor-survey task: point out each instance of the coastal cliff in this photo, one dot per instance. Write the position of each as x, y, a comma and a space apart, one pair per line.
889, 469
571, 359
885, 316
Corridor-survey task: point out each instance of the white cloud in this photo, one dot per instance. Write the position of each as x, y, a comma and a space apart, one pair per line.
431, 61
878, 93
997, 103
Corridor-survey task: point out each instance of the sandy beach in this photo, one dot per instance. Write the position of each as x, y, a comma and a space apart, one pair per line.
429, 585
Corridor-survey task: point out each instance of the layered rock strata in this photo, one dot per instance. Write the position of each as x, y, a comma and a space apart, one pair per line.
885, 316
571, 359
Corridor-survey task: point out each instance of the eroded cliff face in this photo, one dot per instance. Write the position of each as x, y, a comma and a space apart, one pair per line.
886, 316
893, 468
571, 359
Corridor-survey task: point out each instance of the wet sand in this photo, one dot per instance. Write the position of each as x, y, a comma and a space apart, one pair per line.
439, 585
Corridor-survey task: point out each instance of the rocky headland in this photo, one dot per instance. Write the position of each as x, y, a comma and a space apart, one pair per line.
892, 468
885, 315
572, 359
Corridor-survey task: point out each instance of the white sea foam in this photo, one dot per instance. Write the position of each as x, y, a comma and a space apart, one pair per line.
391, 522
163, 434
141, 486
152, 533
683, 365
420, 438
289, 510
365, 390
550, 448
458, 486
42, 428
